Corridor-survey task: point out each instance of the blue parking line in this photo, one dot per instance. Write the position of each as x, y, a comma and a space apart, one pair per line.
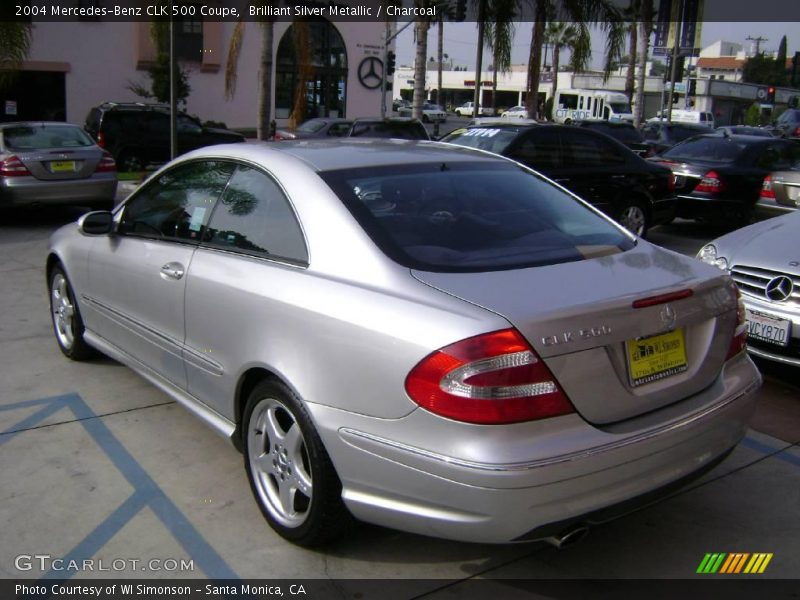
147, 492
779, 453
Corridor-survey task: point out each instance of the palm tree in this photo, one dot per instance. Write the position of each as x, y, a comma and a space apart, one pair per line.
499, 37
581, 12
421, 26
560, 35
15, 43
631, 14
264, 84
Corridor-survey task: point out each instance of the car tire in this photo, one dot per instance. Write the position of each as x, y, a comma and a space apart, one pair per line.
66, 317
290, 472
633, 217
130, 161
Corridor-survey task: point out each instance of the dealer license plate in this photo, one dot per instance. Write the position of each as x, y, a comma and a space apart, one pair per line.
656, 357
768, 328
62, 166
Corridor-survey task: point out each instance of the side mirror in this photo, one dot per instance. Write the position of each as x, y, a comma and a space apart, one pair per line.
99, 222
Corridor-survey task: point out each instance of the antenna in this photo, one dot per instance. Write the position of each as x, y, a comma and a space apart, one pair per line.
758, 41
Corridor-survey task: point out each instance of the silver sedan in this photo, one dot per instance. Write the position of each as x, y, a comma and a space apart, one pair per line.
764, 262
54, 163
412, 334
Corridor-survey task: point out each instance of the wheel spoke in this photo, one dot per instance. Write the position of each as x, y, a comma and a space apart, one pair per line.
287, 492
265, 464
293, 441
272, 428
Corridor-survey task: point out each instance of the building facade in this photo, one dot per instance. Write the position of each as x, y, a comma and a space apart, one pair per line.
77, 65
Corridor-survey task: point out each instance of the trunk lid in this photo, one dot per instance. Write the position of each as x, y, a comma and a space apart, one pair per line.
580, 319
61, 163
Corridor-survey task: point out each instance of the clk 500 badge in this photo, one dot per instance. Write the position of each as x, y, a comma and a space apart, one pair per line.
572, 336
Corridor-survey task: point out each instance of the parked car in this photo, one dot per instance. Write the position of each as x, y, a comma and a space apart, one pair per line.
399, 103
719, 178
416, 335
316, 128
761, 258
743, 130
592, 165
392, 127
788, 123
662, 135
138, 134
53, 163
431, 113
780, 192
468, 109
515, 112
623, 131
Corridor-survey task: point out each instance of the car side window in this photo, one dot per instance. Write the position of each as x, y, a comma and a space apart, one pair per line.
539, 150
177, 204
339, 129
771, 158
585, 150
255, 217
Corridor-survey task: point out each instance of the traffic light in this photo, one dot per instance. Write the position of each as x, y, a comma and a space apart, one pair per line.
771, 94
461, 10
692, 87
390, 63
679, 64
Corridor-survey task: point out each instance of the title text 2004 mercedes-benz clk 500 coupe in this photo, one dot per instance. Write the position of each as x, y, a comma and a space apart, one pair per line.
412, 334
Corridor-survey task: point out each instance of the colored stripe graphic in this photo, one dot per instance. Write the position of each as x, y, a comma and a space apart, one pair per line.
758, 563
733, 563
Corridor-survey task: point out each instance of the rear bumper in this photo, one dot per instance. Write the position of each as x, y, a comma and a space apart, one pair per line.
22, 191
575, 473
664, 211
689, 207
769, 208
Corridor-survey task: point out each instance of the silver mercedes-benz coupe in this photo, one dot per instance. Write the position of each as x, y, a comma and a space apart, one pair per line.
764, 261
411, 334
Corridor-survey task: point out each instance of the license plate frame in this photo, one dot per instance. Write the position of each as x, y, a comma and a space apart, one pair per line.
62, 166
772, 324
655, 357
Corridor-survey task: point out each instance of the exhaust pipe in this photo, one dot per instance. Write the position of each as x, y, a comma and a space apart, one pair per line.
568, 537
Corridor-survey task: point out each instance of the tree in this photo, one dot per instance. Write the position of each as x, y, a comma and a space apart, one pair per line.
264, 85
421, 27
582, 13
630, 14
560, 35
158, 72
499, 37
15, 43
764, 70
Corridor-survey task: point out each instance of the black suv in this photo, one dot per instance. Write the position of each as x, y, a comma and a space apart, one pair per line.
137, 134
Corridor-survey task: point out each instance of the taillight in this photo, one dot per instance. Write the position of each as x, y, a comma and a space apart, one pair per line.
283, 135
796, 132
711, 183
101, 139
13, 167
767, 193
739, 341
106, 163
494, 378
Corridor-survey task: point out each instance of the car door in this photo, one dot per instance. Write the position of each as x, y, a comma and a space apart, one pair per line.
155, 137
241, 285
137, 275
539, 149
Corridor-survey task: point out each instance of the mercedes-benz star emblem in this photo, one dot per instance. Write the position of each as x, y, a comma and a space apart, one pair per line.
370, 72
668, 317
779, 288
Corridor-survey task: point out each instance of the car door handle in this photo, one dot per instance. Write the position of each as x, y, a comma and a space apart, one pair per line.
173, 270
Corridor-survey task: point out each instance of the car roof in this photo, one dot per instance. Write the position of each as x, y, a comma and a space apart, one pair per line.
36, 124
347, 153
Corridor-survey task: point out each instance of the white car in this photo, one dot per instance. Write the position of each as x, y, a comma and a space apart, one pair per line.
431, 113
516, 112
467, 110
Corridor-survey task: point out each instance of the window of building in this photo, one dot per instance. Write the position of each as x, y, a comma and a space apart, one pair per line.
189, 36
315, 49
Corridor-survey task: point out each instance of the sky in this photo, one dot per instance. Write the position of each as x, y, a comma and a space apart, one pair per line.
460, 39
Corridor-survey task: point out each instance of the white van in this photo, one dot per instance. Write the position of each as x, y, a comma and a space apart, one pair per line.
590, 105
689, 116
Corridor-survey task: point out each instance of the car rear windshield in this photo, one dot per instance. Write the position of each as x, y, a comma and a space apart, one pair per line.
623, 133
681, 132
472, 216
492, 139
38, 137
311, 126
707, 149
380, 129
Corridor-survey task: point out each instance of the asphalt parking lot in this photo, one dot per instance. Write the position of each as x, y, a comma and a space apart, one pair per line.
97, 464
